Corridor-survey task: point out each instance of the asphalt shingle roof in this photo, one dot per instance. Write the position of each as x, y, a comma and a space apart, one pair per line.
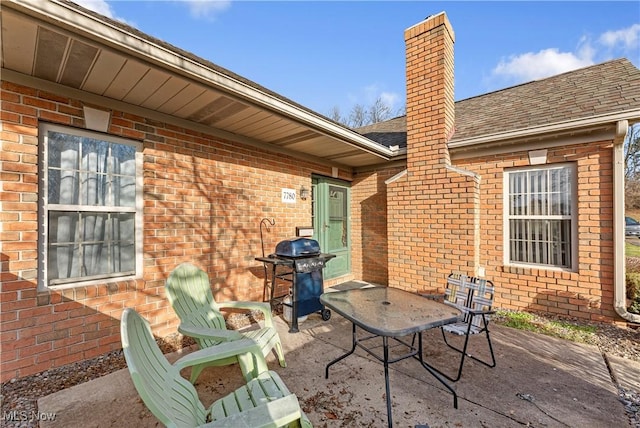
607, 88
391, 132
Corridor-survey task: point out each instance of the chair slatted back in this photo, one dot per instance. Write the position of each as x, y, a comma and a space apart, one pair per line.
469, 293
473, 297
170, 397
457, 292
190, 295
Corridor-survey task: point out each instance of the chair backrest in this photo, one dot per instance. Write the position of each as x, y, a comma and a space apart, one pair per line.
189, 293
469, 293
170, 397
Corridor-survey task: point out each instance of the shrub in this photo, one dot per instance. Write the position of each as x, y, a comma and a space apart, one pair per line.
633, 286
632, 264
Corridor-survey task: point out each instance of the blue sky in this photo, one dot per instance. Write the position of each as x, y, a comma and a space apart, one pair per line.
328, 54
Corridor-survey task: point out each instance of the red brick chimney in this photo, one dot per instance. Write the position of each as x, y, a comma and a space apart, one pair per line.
433, 209
430, 100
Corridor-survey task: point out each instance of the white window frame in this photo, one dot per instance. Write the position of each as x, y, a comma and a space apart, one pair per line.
44, 208
573, 217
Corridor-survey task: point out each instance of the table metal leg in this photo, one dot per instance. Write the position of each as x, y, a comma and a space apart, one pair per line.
385, 344
354, 342
385, 360
435, 372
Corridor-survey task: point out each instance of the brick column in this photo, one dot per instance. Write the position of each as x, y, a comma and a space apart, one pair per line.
433, 209
430, 100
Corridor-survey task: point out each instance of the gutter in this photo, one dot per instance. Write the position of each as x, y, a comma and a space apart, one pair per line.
558, 127
619, 281
67, 16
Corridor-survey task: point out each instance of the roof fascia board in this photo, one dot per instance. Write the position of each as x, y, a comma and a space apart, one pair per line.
131, 44
548, 142
400, 154
380, 166
559, 128
98, 100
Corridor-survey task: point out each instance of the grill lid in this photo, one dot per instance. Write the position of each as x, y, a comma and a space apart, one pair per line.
298, 247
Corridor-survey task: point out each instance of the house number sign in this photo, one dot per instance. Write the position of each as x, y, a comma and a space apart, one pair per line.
289, 196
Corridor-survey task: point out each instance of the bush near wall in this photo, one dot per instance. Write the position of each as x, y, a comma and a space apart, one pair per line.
632, 280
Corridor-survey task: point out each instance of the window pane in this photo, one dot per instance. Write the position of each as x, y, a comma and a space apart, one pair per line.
53, 186
94, 189
542, 201
94, 179
90, 172
85, 172
515, 190
63, 251
63, 151
95, 232
124, 234
541, 241
89, 244
63, 155
124, 191
124, 158
94, 155
557, 200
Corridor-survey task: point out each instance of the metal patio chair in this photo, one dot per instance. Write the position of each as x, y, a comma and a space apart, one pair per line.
190, 295
264, 401
474, 298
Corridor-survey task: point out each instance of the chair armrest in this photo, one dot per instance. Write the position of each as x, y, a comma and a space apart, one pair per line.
280, 412
219, 352
263, 307
209, 333
478, 312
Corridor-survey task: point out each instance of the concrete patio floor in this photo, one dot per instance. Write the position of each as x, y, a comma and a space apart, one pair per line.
539, 381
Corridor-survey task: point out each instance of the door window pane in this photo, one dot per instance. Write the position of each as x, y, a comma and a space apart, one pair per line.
337, 217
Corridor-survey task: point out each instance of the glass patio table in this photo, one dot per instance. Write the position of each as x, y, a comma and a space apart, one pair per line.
390, 313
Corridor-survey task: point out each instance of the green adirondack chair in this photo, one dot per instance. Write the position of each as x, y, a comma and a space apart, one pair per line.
189, 293
264, 401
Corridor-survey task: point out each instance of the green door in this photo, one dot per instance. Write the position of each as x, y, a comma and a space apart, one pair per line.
331, 223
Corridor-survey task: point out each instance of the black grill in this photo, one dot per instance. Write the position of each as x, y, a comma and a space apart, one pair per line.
306, 262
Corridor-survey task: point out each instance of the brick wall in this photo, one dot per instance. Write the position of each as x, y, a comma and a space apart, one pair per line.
203, 202
369, 222
586, 293
444, 218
